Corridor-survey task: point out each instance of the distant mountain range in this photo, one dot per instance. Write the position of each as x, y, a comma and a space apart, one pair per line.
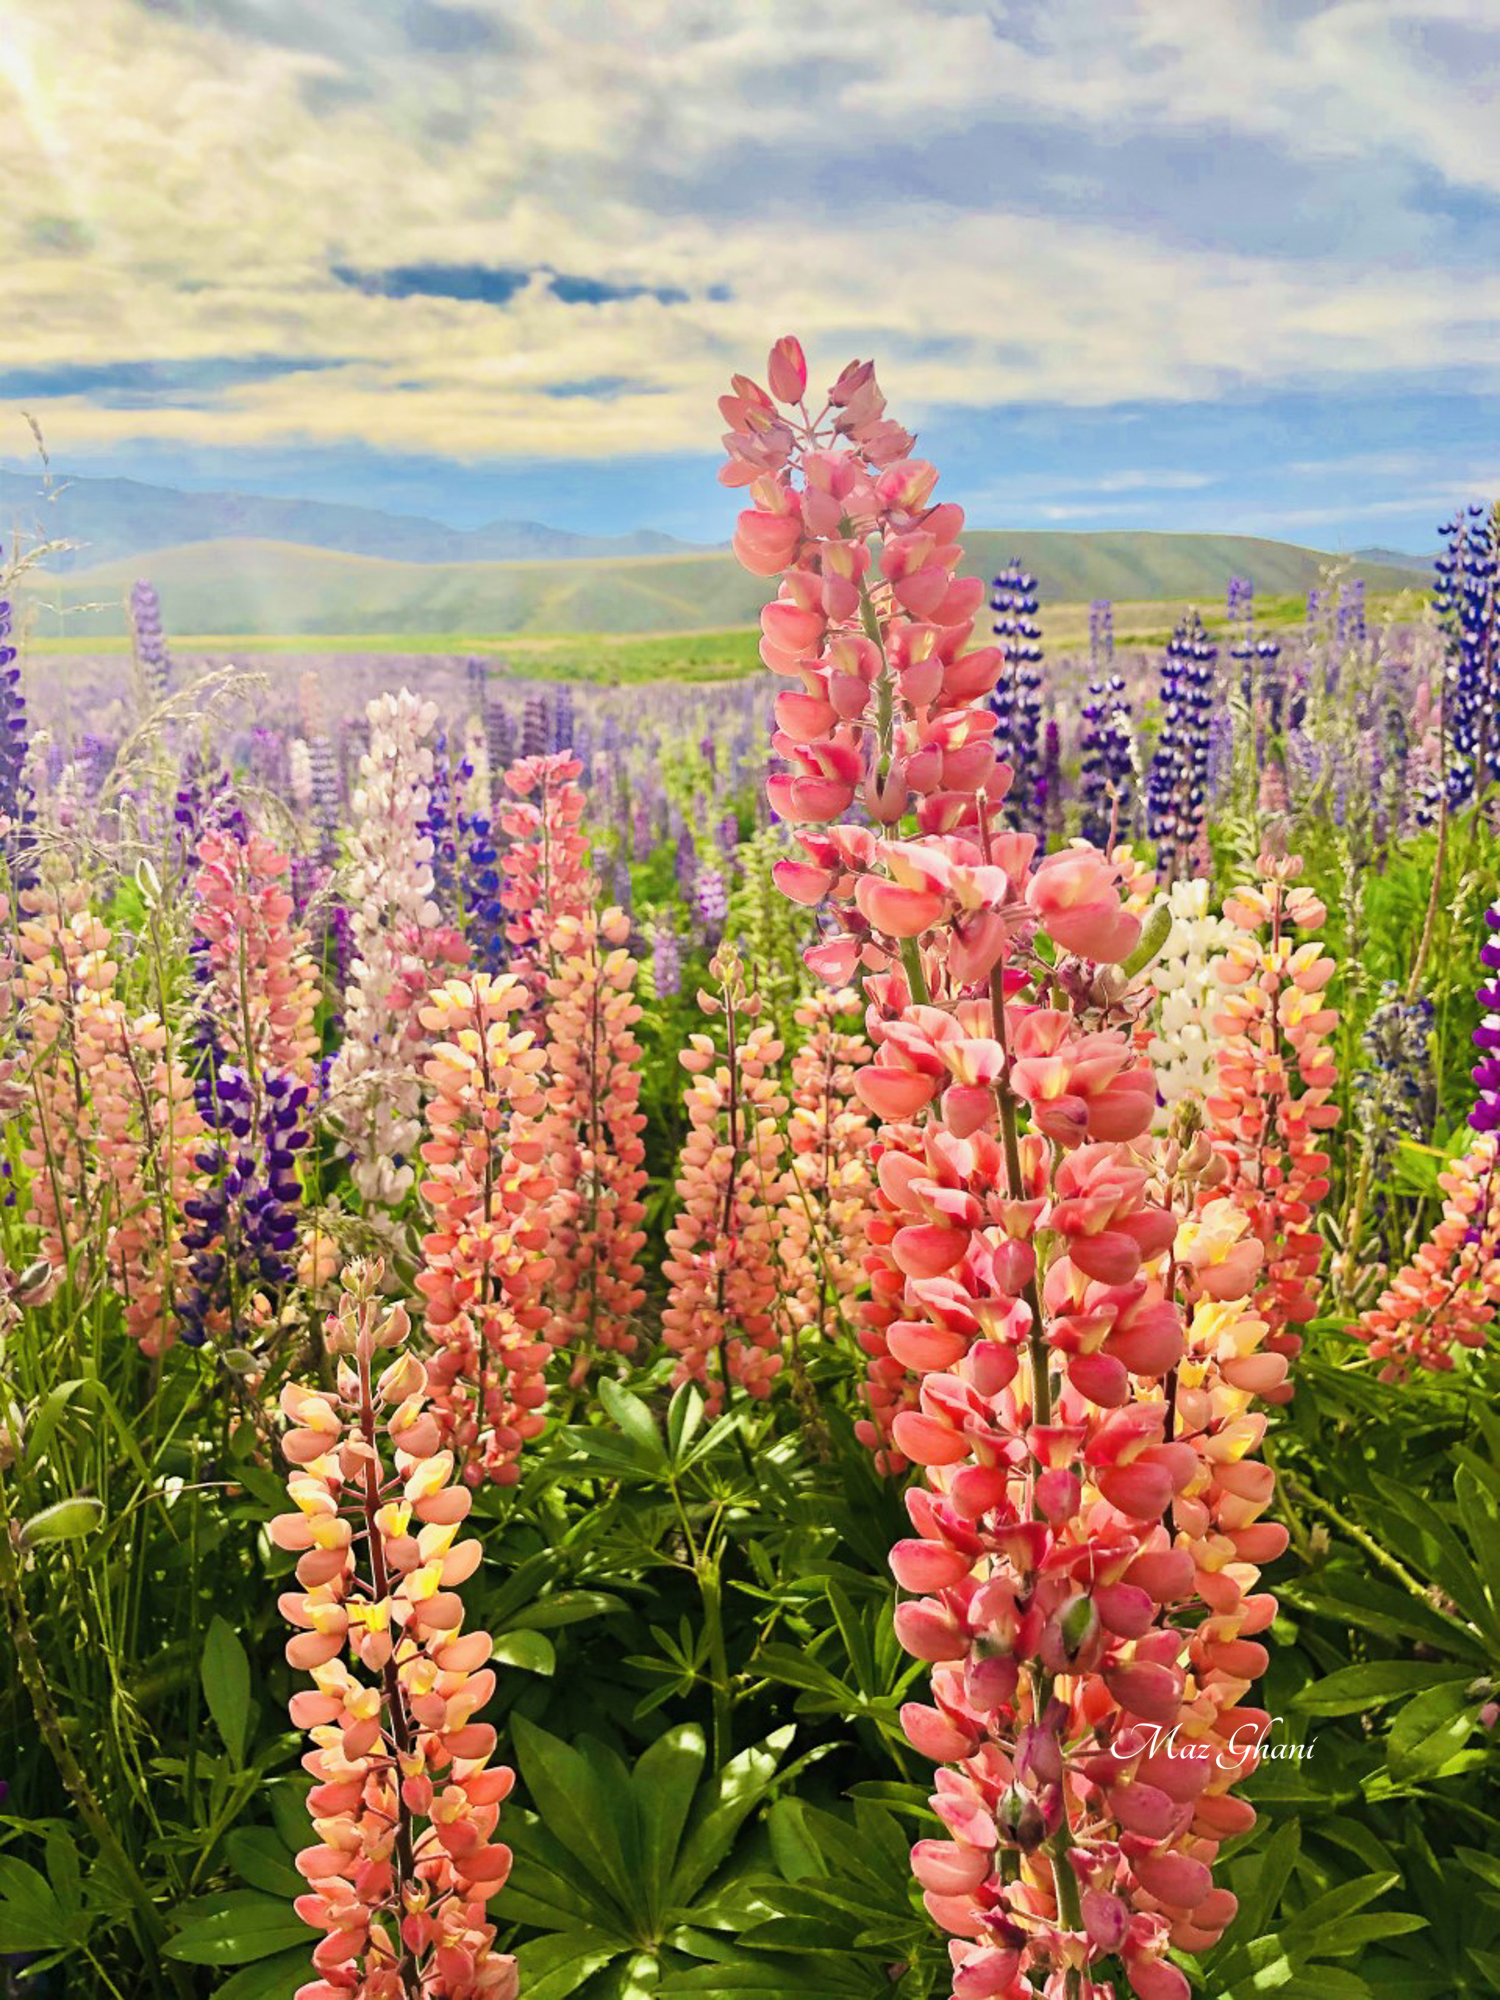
235, 565
112, 519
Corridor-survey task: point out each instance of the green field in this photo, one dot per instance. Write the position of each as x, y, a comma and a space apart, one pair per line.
239, 589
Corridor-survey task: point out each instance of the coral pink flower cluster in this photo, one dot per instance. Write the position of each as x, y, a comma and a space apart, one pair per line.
485, 1189
827, 1187
1272, 1110
546, 868
1444, 1299
869, 625
113, 1133
405, 1800
260, 973
722, 1262
595, 1153
1087, 1534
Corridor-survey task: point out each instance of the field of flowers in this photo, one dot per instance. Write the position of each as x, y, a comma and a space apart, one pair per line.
825, 1335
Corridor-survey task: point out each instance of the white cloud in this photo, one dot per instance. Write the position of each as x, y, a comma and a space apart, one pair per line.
177, 188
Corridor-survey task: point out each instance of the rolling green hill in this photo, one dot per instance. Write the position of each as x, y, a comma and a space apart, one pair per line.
239, 588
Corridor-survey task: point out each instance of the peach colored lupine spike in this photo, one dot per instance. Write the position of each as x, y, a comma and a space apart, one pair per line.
1444, 1298
547, 879
405, 1801
1272, 1109
592, 1131
722, 1262
261, 976
485, 1189
113, 1130
1048, 1331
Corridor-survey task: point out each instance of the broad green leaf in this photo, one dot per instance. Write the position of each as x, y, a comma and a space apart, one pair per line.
573, 1801
684, 1417
241, 1926
565, 1607
553, 1967
1430, 1731
226, 1686
664, 1781
534, 1652
722, 1808
1353, 1689
259, 1856
63, 1872
39, 1432
630, 1415
793, 1848
271, 1978
1480, 1514
31, 1918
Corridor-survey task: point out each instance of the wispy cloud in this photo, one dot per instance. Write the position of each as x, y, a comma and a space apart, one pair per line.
499, 230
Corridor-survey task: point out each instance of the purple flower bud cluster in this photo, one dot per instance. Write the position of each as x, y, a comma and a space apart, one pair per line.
205, 798
1395, 1089
537, 733
666, 962
1017, 699
711, 901
465, 864
243, 1232
152, 657
17, 800
1177, 786
1466, 592
1350, 623
499, 743
1105, 762
1485, 1116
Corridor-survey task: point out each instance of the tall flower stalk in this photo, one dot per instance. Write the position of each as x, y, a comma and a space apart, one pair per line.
405, 1798
1272, 1111
722, 1262
485, 1189
595, 1153
1031, 1272
398, 942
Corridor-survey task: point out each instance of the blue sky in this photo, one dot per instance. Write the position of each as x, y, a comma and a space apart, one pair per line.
1162, 264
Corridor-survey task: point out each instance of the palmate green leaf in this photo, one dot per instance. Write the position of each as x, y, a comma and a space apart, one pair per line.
238, 1925
39, 1432
554, 1967
722, 1808
1485, 1866
1237, 1950
1431, 1731
565, 1607
575, 1802
1303, 1929
260, 1857
31, 1918
271, 1978
1373, 1683
634, 1419
1415, 1526
533, 1652
226, 1686
663, 1785
785, 1978
1479, 1510
684, 1420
